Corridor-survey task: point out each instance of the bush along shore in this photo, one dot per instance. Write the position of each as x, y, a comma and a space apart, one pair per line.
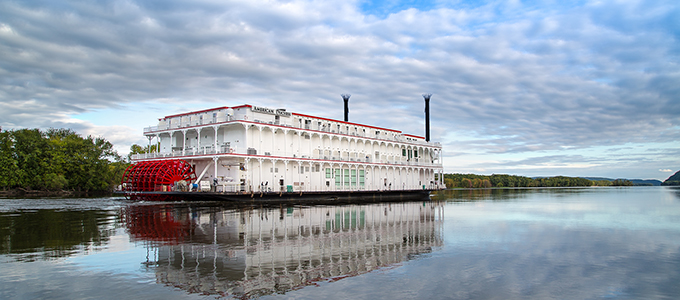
57, 163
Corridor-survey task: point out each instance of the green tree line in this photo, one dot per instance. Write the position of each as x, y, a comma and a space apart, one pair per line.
58, 159
502, 180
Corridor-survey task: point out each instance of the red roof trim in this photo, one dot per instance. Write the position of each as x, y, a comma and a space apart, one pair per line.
415, 136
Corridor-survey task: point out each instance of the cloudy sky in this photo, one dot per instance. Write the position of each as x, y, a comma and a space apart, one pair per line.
533, 88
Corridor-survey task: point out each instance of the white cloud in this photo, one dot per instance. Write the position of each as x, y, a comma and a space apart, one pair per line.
665, 170
525, 80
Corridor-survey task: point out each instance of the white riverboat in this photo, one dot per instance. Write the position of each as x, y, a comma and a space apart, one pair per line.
254, 150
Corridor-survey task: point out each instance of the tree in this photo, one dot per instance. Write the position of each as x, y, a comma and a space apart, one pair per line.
32, 155
476, 183
137, 149
622, 182
486, 183
8, 161
503, 180
58, 159
602, 183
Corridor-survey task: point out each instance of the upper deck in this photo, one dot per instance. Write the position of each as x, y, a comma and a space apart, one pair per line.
281, 118
327, 139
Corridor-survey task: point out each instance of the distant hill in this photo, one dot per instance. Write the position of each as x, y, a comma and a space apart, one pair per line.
639, 182
673, 180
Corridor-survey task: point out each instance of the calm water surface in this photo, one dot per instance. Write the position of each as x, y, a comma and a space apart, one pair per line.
584, 243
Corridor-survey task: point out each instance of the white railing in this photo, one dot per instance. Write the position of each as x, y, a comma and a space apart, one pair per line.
186, 124
223, 119
151, 128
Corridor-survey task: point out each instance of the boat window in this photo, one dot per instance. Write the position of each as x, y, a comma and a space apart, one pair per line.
338, 177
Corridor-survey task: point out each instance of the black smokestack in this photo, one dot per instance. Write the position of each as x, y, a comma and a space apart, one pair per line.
346, 98
427, 116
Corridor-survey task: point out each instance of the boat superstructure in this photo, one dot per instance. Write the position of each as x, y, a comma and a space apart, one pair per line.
250, 149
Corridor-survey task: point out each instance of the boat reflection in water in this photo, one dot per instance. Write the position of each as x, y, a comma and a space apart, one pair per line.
247, 253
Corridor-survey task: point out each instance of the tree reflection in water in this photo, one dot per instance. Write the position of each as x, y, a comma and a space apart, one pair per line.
247, 253
47, 234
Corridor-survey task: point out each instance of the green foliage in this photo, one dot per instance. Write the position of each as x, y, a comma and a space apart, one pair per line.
58, 159
562, 181
602, 183
673, 180
622, 182
9, 167
137, 149
503, 180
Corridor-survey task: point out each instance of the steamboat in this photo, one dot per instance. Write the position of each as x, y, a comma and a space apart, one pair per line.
255, 153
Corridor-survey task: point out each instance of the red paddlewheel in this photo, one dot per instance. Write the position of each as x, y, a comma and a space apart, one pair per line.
155, 176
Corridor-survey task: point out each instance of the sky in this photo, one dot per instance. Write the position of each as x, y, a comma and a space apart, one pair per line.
530, 88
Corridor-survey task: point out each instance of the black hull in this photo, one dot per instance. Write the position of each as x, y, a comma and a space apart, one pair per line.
333, 197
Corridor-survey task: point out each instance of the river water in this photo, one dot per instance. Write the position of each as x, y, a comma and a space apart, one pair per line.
575, 243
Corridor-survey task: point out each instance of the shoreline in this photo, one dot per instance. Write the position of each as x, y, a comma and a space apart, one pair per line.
24, 193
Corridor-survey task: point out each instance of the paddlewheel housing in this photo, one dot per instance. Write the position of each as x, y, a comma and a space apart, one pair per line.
142, 179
